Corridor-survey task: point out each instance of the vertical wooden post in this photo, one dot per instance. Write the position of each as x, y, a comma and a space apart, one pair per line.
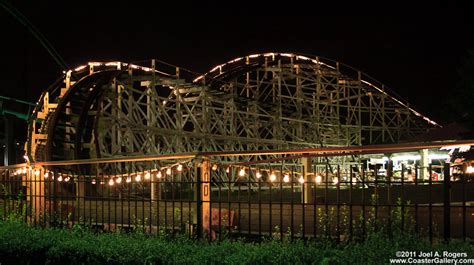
307, 194
447, 202
203, 196
424, 164
38, 193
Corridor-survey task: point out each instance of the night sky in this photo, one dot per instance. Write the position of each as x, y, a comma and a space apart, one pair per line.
414, 50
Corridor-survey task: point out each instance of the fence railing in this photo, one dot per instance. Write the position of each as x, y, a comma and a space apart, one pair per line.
203, 196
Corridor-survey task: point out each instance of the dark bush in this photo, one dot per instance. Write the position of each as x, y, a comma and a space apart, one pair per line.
23, 244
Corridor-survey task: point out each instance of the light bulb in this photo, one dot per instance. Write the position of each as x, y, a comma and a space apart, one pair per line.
301, 180
102, 182
335, 180
318, 179
147, 175
138, 178
227, 170
67, 179
168, 171
111, 182
259, 175
119, 180
158, 175
242, 172
60, 178
273, 177
470, 169
93, 181
214, 167
180, 168
286, 178
46, 175
128, 180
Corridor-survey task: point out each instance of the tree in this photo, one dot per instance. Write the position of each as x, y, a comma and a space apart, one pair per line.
460, 103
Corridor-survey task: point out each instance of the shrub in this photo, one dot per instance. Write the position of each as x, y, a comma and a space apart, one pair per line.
23, 244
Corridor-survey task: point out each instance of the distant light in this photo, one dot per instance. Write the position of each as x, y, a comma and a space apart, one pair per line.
80, 68
138, 178
128, 180
438, 156
335, 180
147, 175
273, 177
301, 180
60, 178
25, 157
227, 170
119, 180
354, 180
470, 170
37, 172
158, 175
242, 172
258, 175
179, 168
286, 178
318, 179
111, 182
214, 167
46, 175
168, 171
67, 179
23, 170
93, 181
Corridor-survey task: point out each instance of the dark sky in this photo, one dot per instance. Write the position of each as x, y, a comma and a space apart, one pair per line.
414, 50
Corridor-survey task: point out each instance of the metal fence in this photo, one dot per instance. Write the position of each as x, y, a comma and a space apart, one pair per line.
214, 197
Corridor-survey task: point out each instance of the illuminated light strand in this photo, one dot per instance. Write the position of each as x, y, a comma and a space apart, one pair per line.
301, 180
272, 177
318, 179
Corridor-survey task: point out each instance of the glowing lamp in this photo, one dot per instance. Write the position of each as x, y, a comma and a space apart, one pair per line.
273, 177
301, 180
318, 179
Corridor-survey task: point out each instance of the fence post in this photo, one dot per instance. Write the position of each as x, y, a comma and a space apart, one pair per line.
203, 194
307, 194
447, 202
